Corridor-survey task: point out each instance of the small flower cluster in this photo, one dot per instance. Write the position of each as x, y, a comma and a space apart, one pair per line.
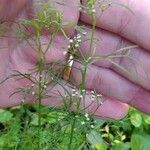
43, 83
96, 97
81, 94
104, 6
87, 121
87, 116
90, 9
75, 93
74, 44
29, 89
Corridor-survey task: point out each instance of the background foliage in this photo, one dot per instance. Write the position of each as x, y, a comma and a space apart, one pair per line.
18, 130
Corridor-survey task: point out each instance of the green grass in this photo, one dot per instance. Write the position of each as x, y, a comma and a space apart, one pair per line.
19, 130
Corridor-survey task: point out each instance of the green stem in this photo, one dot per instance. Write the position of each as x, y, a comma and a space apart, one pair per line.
82, 85
78, 108
92, 35
72, 132
40, 88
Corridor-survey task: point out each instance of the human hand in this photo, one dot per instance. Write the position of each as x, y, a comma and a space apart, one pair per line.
126, 78
110, 108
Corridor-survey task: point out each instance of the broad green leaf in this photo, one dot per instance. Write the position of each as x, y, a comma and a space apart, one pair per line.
5, 116
99, 121
95, 139
2, 110
35, 120
122, 146
140, 142
101, 146
136, 119
146, 119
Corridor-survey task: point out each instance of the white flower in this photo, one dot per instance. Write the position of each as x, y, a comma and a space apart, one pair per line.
83, 91
92, 126
93, 96
86, 115
93, 10
87, 93
73, 95
89, 58
33, 93
64, 52
68, 46
79, 40
99, 95
73, 90
84, 33
81, 97
65, 95
78, 36
92, 92
71, 41
82, 122
88, 119
76, 93
32, 85
101, 103
44, 86
22, 101
76, 45
80, 8
92, 99
74, 129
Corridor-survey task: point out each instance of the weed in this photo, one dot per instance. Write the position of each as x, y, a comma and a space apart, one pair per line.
50, 128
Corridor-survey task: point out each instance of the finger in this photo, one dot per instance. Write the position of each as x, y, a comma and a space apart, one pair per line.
28, 53
108, 109
26, 64
24, 59
61, 95
134, 27
132, 63
112, 85
111, 109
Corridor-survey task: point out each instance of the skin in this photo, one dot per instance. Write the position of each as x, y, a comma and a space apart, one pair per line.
119, 88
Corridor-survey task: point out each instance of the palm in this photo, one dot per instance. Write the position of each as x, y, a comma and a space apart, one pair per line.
106, 78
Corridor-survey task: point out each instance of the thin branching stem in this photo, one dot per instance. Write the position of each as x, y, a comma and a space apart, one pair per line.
40, 88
